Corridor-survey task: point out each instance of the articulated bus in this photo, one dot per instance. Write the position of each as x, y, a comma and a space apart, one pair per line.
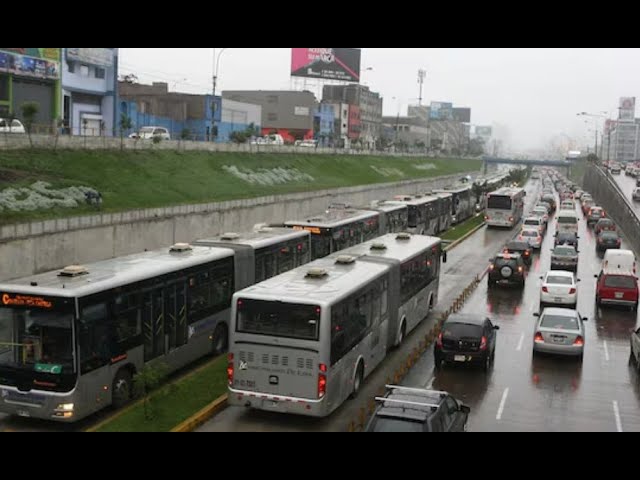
338, 228
304, 341
72, 340
423, 213
394, 217
462, 204
505, 207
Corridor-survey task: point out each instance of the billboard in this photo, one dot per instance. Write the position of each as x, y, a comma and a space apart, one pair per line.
31, 62
462, 115
484, 131
627, 108
326, 63
99, 57
441, 111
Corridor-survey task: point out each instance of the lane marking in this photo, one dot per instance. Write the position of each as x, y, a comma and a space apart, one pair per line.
616, 412
502, 403
519, 347
606, 351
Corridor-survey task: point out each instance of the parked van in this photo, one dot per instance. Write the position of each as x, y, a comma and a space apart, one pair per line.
567, 221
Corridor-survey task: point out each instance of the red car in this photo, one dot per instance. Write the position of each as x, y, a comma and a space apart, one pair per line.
617, 287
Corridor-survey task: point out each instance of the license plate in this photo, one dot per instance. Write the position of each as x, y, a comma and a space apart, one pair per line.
619, 295
459, 358
23, 413
557, 300
558, 339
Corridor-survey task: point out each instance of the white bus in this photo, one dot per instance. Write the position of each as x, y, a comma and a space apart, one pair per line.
304, 341
71, 340
505, 207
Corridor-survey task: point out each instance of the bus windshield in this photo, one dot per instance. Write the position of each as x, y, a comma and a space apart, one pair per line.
36, 340
278, 319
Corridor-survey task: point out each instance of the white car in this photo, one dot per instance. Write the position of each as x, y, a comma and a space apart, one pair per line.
567, 205
559, 288
532, 236
149, 133
535, 222
541, 212
636, 194
559, 331
11, 126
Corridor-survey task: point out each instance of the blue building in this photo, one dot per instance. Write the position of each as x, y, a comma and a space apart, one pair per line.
193, 115
324, 123
89, 90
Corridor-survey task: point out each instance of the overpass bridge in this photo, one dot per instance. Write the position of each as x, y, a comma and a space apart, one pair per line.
486, 161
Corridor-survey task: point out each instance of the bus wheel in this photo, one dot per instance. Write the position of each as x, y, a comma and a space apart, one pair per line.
403, 333
220, 339
121, 390
357, 381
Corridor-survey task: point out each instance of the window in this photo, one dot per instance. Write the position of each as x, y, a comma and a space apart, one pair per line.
278, 319
210, 290
84, 70
500, 202
272, 117
97, 340
72, 67
619, 281
100, 72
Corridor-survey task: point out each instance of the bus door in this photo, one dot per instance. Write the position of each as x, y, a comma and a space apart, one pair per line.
175, 313
153, 324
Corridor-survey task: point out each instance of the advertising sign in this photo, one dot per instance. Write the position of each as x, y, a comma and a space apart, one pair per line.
627, 108
441, 111
484, 131
100, 57
326, 63
31, 62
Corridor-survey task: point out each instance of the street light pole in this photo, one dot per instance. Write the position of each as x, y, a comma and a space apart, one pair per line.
216, 69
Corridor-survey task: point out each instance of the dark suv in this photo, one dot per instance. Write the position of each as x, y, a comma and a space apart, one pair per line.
521, 248
404, 409
507, 268
466, 338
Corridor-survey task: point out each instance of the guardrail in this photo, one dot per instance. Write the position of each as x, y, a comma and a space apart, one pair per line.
608, 194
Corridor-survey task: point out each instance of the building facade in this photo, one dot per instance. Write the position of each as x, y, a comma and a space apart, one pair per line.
407, 133
324, 124
89, 91
287, 113
238, 117
31, 75
625, 144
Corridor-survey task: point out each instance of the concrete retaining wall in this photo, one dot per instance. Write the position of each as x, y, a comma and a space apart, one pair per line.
41, 246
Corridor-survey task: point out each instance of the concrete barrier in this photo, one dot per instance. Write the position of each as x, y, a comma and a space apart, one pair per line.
46, 245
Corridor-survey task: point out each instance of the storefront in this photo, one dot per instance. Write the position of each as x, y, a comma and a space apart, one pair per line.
30, 75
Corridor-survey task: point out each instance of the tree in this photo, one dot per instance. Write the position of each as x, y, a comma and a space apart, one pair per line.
59, 124
146, 381
125, 125
29, 112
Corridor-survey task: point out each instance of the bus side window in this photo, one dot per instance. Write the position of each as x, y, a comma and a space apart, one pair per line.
96, 338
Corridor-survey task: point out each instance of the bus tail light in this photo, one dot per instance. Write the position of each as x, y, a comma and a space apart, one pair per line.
322, 381
230, 369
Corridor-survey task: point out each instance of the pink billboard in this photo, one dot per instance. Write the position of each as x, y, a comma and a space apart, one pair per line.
326, 63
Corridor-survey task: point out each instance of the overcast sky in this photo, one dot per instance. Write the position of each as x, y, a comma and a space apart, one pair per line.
529, 95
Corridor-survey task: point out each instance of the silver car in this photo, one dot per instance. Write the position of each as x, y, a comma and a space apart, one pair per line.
559, 331
564, 257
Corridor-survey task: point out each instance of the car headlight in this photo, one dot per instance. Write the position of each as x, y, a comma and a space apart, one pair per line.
65, 407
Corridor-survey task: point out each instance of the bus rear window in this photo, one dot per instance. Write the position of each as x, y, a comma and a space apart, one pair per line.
277, 319
568, 220
499, 202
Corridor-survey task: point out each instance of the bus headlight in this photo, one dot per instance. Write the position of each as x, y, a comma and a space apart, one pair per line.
65, 407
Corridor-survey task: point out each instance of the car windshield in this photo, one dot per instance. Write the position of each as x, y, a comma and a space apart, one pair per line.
532, 221
560, 322
540, 211
619, 281
529, 233
559, 280
608, 235
570, 220
564, 251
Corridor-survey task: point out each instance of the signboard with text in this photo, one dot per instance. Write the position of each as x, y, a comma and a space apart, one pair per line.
31, 62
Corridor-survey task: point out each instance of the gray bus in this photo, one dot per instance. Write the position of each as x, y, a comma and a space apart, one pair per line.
304, 341
338, 228
463, 204
72, 340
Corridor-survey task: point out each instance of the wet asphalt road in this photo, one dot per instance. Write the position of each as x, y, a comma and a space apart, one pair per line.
521, 393
628, 185
469, 259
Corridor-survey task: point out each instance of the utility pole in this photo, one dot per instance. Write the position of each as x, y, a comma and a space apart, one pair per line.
422, 74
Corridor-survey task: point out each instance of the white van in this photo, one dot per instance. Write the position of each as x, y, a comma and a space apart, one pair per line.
622, 260
567, 221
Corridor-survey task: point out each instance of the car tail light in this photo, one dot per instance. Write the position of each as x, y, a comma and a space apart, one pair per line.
322, 381
486, 218
527, 253
520, 269
572, 291
545, 289
483, 344
619, 242
579, 342
230, 368
538, 338
511, 219
439, 341
491, 267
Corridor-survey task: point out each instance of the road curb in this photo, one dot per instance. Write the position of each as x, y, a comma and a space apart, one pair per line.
190, 424
452, 245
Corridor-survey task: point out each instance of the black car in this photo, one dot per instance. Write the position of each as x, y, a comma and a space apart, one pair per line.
608, 239
635, 349
551, 200
466, 339
404, 409
566, 238
521, 248
507, 268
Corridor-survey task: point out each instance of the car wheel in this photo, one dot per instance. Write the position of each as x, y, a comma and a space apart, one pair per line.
437, 361
487, 363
